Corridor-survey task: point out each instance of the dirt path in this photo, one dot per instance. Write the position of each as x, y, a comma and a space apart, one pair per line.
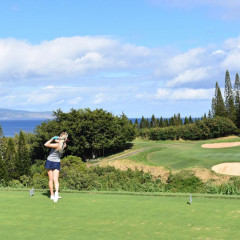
118, 157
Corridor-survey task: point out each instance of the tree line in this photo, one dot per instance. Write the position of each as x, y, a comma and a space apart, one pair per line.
15, 160
97, 133
161, 122
229, 105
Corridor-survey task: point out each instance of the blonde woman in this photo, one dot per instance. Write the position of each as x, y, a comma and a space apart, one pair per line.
53, 162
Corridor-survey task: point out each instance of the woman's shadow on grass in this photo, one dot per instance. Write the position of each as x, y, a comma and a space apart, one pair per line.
47, 194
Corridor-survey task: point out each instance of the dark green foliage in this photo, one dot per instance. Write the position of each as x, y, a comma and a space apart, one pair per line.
92, 133
144, 133
237, 100
153, 121
3, 173
184, 181
23, 158
190, 120
229, 98
165, 122
136, 123
10, 159
220, 127
195, 131
75, 175
186, 121
209, 114
161, 123
218, 107
163, 133
144, 123
175, 120
201, 129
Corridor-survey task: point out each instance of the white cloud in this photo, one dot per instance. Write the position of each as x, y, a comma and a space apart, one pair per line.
67, 57
189, 76
74, 101
83, 71
70, 60
99, 98
168, 94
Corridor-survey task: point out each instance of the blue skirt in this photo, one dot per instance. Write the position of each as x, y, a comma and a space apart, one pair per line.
52, 165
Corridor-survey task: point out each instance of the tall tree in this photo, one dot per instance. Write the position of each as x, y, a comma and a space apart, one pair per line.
190, 120
161, 123
179, 120
23, 159
209, 114
213, 106
218, 103
166, 123
92, 133
2, 143
142, 122
237, 100
3, 173
136, 122
229, 98
153, 121
10, 159
186, 121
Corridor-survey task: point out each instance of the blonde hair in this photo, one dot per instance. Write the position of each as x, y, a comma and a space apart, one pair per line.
62, 139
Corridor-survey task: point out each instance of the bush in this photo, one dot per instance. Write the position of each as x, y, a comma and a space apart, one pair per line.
195, 131
165, 133
40, 181
200, 130
184, 181
220, 126
15, 184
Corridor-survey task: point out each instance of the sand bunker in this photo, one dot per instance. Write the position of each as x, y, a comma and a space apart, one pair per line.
227, 168
221, 145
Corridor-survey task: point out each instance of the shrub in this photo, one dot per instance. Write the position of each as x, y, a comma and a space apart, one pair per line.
184, 181
15, 184
165, 133
220, 126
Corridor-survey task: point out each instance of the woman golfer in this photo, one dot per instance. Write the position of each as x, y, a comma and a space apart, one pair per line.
53, 162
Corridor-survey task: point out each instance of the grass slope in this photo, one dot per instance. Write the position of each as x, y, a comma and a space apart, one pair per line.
100, 216
181, 155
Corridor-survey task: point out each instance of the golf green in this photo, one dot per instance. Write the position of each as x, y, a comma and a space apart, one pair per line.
184, 155
112, 216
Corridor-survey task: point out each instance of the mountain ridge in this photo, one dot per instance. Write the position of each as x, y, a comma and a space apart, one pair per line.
11, 114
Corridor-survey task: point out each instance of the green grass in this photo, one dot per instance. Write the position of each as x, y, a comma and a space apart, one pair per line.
112, 216
181, 155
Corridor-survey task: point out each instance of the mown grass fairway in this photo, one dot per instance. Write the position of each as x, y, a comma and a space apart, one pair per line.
181, 155
103, 216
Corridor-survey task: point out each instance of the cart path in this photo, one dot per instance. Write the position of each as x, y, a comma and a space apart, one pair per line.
120, 157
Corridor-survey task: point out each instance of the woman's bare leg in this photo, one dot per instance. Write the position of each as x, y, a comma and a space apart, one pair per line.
55, 179
50, 182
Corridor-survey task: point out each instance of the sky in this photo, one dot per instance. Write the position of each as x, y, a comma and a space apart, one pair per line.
138, 57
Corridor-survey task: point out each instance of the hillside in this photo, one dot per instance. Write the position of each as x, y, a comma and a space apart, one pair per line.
9, 114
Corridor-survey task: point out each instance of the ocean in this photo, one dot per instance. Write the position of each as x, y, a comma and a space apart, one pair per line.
11, 127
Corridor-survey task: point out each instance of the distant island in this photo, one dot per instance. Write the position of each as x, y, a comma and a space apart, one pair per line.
9, 114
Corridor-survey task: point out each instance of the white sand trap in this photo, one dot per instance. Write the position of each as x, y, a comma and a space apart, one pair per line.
221, 145
227, 168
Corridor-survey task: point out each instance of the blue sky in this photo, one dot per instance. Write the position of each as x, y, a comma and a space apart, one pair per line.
140, 57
